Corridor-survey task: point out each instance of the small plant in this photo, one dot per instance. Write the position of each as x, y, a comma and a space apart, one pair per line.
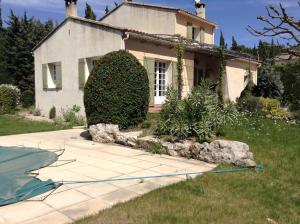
37, 112
157, 148
52, 113
71, 116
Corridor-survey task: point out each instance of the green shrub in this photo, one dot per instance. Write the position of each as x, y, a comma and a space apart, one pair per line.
52, 113
71, 116
9, 98
250, 104
290, 76
197, 115
117, 91
273, 107
37, 112
27, 98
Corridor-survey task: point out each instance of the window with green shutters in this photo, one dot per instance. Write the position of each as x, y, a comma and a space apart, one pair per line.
174, 76
52, 76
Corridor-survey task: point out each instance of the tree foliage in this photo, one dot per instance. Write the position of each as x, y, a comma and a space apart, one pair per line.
117, 91
179, 55
279, 23
89, 13
269, 83
16, 44
222, 41
290, 76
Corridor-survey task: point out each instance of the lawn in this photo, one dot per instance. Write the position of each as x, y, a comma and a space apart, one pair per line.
10, 125
271, 196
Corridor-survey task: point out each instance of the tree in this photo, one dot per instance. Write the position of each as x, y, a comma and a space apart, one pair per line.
222, 41
89, 13
106, 10
280, 24
262, 51
234, 46
3, 77
269, 83
1, 21
22, 34
221, 71
179, 55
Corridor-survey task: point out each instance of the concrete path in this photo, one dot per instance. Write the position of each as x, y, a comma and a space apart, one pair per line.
94, 161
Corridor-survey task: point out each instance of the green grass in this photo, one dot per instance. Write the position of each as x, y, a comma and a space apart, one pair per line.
10, 125
241, 198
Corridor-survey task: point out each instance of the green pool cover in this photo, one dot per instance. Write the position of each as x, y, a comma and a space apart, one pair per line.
15, 182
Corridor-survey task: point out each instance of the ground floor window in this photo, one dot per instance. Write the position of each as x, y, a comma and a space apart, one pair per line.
52, 75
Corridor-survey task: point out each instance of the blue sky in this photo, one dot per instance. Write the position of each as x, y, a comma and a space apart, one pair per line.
232, 16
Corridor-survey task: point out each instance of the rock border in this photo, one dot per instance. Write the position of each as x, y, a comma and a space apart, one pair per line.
217, 152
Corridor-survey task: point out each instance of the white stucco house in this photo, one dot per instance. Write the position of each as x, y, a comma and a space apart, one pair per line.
65, 58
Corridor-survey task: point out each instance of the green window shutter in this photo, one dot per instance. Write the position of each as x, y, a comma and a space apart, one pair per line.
81, 73
202, 35
189, 31
45, 76
174, 76
149, 65
59, 76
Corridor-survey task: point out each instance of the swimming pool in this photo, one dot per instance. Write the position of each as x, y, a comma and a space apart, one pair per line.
16, 181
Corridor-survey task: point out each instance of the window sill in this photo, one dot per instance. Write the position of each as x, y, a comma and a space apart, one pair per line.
52, 89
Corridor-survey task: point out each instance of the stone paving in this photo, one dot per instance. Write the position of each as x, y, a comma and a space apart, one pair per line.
93, 161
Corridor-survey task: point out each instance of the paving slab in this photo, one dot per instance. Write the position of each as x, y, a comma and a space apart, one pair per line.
93, 162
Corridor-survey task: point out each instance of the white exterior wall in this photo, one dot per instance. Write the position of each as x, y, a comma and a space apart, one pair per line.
145, 19
67, 45
234, 83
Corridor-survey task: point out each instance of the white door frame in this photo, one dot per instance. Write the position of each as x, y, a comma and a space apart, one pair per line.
160, 82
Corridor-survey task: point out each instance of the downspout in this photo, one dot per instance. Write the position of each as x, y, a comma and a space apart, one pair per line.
124, 38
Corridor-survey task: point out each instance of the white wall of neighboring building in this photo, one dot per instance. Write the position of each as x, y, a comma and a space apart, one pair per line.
236, 71
71, 42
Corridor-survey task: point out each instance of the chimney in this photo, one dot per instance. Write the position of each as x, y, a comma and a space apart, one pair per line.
200, 9
71, 8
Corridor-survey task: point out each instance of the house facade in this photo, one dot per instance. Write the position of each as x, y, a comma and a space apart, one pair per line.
65, 58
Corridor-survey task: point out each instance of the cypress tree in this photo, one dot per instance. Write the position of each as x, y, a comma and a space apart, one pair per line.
106, 10
89, 13
222, 41
3, 77
234, 46
262, 51
22, 35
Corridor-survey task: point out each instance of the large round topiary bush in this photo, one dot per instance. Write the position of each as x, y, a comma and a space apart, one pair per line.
117, 91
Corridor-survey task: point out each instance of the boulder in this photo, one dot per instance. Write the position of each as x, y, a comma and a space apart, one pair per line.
104, 133
232, 152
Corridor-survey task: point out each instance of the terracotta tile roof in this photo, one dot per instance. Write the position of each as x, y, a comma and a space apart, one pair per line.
166, 40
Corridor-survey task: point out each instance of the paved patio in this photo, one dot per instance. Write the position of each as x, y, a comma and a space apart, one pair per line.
93, 161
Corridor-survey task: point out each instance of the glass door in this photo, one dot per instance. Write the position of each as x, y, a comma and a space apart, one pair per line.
160, 82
